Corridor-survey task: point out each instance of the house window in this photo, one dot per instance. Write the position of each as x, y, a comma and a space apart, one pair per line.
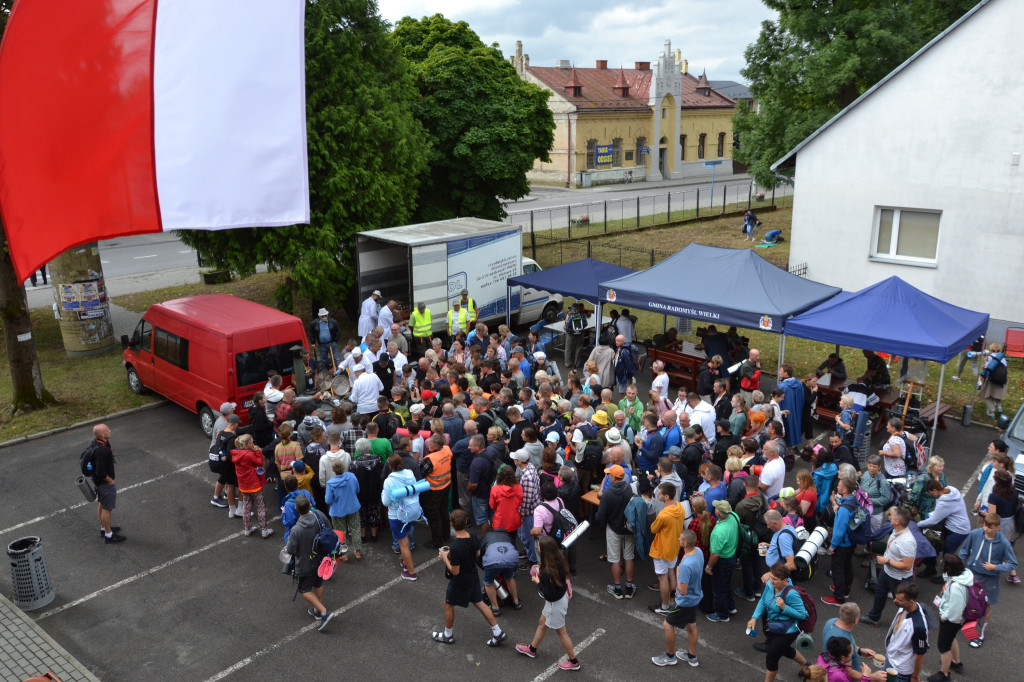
664, 113
906, 236
721, 145
641, 144
682, 147
591, 154
629, 155
617, 151
172, 348
700, 145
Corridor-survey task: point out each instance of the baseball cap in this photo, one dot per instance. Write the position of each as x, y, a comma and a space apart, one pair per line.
322, 312
417, 408
723, 506
551, 437
376, 292
689, 432
616, 471
521, 456
234, 419
464, 292
298, 465
612, 436
600, 417
227, 407
518, 349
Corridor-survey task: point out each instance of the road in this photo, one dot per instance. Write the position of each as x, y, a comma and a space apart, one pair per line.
188, 598
143, 254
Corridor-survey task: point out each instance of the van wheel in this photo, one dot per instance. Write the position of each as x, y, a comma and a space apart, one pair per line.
206, 420
135, 383
550, 313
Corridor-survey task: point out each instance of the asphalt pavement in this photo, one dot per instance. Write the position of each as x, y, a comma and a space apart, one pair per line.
188, 598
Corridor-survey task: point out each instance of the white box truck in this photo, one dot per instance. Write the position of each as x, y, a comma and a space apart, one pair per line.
433, 262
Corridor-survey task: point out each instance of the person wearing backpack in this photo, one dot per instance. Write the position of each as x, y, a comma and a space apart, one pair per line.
102, 458
841, 547
987, 553
402, 513
301, 546
784, 609
667, 528
724, 546
342, 494
952, 602
992, 381
247, 458
949, 516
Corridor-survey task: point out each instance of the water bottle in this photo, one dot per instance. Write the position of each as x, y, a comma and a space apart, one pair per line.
502, 592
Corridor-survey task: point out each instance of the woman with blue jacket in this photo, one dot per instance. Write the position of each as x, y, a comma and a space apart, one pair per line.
783, 608
342, 495
825, 473
987, 553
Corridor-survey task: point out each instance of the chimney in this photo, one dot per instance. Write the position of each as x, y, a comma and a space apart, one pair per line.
686, 66
564, 64
526, 61
643, 66
621, 87
602, 63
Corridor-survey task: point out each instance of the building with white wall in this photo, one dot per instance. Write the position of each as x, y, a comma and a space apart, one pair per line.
921, 176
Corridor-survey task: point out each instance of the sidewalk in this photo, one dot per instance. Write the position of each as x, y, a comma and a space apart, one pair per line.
26, 650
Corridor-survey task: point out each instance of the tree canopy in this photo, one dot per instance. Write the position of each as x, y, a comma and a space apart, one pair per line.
367, 155
817, 59
486, 125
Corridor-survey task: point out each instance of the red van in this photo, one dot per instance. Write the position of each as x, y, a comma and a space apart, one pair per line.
202, 351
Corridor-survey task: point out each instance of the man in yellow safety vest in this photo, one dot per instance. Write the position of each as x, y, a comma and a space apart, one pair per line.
458, 319
469, 305
420, 323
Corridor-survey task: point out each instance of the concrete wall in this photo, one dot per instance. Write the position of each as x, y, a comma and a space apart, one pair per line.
941, 135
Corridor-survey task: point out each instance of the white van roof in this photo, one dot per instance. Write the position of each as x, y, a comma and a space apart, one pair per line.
437, 231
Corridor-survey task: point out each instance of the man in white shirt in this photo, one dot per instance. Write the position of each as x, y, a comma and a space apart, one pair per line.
366, 388
906, 642
773, 473
368, 314
398, 358
701, 413
897, 562
386, 318
355, 359
625, 325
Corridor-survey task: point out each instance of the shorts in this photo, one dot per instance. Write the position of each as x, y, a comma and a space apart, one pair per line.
399, 530
106, 493
661, 566
308, 583
228, 476
554, 612
619, 546
490, 574
463, 595
481, 511
947, 633
681, 616
991, 585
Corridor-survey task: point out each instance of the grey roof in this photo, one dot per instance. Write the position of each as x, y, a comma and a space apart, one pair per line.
732, 89
789, 159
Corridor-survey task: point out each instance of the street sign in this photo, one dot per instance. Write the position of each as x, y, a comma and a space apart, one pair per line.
710, 164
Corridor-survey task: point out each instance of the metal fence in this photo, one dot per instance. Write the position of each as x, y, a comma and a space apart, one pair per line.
607, 216
550, 254
800, 269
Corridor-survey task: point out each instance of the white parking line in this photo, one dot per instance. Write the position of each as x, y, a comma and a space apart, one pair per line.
553, 668
974, 477
79, 505
312, 626
152, 255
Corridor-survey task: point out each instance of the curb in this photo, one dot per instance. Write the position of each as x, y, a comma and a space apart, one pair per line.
87, 422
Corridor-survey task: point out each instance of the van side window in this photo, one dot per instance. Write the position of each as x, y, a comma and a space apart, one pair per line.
145, 335
172, 348
529, 268
251, 366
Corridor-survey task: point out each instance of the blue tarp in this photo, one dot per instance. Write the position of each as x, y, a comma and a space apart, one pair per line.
579, 280
892, 317
721, 286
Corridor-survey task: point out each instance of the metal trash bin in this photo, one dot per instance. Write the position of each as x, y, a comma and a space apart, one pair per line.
30, 581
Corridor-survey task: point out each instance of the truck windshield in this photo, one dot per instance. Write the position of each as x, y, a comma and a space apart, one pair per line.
251, 366
1017, 433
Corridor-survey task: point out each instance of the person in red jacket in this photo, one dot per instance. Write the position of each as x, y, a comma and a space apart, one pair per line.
506, 496
248, 460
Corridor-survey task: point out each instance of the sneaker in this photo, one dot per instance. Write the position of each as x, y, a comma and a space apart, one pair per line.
832, 601
406, 575
113, 529
870, 621
614, 590
655, 587
1013, 579
957, 667
238, 509
628, 591
568, 665
715, 618
659, 609
496, 611
232, 514
218, 502
312, 612
663, 660
939, 677
249, 532
688, 657
267, 532
496, 640
517, 605
395, 549
524, 649
324, 620
114, 538
745, 595
732, 612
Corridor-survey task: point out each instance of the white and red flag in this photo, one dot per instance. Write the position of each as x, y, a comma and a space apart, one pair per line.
122, 117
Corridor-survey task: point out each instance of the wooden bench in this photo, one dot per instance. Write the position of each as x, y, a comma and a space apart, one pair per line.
827, 415
935, 411
682, 369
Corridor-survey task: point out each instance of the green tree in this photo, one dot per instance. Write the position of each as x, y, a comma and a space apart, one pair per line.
818, 58
486, 124
367, 154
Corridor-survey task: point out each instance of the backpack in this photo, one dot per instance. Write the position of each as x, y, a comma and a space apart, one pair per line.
808, 623
859, 524
326, 542
747, 545
589, 455
575, 323
217, 457
409, 509
913, 453
997, 376
563, 522
977, 603
87, 460
387, 423
497, 421
751, 383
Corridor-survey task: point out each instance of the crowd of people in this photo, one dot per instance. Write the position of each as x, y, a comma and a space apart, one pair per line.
705, 486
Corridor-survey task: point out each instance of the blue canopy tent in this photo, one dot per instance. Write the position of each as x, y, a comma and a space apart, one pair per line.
895, 317
720, 286
579, 280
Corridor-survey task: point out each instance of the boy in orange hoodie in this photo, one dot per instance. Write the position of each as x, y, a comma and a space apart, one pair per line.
667, 526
